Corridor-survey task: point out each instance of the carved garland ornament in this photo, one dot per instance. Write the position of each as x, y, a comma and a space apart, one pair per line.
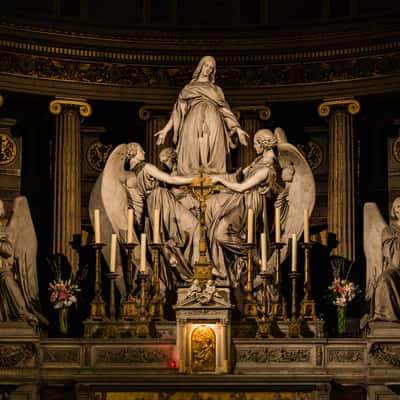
345, 356
281, 355
385, 353
12, 355
313, 153
61, 355
97, 155
137, 75
127, 355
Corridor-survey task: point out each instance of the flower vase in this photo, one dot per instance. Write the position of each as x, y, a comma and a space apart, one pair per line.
63, 321
342, 321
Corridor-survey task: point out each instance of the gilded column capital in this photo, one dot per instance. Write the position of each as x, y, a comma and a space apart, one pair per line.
1, 100
353, 106
264, 112
146, 111
56, 106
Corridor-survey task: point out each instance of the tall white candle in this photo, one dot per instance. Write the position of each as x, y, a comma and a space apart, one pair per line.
97, 226
294, 253
277, 224
306, 227
130, 225
143, 253
113, 252
263, 252
156, 232
250, 225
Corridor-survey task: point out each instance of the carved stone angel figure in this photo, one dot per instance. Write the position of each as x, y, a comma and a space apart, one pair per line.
279, 176
382, 251
18, 273
129, 182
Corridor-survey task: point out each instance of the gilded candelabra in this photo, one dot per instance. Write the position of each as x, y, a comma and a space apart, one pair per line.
156, 305
142, 322
279, 307
295, 323
128, 306
264, 323
97, 306
307, 306
250, 303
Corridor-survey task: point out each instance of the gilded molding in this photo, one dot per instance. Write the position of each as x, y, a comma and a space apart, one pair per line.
56, 106
146, 111
264, 112
353, 106
1, 100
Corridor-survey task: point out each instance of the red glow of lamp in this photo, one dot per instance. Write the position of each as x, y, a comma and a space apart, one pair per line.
172, 363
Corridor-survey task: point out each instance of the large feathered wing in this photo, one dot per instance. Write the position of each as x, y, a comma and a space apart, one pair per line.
374, 224
300, 192
22, 236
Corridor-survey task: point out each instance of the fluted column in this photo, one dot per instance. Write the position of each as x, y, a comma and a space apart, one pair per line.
67, 175
342, 173
155, 118
250, 120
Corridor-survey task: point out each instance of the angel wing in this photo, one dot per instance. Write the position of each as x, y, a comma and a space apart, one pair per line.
374, 224
22, 236
300, 192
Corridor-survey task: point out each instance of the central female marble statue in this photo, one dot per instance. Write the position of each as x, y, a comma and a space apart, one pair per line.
203, 124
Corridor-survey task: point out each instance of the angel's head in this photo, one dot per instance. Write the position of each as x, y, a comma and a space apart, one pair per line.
264, 139
395, 211
168, 157
6, 249
135, 152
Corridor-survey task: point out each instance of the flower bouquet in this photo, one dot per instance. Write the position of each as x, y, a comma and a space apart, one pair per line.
64, 291
341, 293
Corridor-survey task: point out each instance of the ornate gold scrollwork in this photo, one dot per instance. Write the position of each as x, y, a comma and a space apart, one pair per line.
145, 111
353, 106
264, 112
1, 100
97, 155
313, 153
56, 106
203, 343
8, 149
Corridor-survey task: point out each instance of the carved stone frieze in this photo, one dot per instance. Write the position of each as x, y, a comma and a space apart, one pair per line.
124, 355
280, 355
137, 75
61, 355
384, 353
13, 354
345, 355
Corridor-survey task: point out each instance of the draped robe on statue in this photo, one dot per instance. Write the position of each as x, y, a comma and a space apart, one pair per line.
228, 221
385, 305
203, 122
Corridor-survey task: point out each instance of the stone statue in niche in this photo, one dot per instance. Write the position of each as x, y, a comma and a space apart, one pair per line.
382, 251
203, 124
18, 272
203, 127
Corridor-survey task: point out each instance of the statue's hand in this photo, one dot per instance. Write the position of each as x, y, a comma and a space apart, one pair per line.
161, 136
242, 135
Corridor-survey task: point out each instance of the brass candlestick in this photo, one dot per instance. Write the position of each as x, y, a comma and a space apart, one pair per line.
307, 306
249, 303
279, 306
264, 323
295, 323
156, 306
97, 306
128, 306
142, 325
111, 276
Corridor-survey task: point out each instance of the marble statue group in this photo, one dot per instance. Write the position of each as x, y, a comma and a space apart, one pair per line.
204, 130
